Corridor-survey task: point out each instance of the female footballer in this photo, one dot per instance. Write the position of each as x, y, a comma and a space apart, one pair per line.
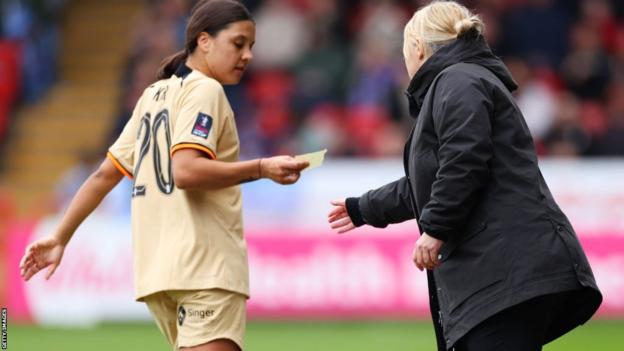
180, 148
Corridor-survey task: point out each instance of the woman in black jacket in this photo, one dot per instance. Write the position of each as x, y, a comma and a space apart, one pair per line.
504, 266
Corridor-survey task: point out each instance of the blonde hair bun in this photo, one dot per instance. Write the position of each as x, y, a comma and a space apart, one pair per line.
438, 23
464, 25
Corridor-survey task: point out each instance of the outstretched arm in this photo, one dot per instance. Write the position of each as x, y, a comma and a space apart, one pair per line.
389, 204
193, 170
386, 205
47, 252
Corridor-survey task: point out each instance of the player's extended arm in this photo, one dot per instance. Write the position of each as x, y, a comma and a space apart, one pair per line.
192, 170
49, 251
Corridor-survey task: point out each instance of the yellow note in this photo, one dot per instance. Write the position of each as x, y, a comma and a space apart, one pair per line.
315, 158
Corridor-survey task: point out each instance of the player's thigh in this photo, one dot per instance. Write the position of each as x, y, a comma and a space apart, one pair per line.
211, 319
215, 345
164, 311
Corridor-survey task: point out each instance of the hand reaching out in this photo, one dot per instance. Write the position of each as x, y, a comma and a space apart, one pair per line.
339, 218
46, 252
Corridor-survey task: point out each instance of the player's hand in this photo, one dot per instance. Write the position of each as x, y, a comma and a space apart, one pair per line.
46, 252
426, 252
282, 169
339, 218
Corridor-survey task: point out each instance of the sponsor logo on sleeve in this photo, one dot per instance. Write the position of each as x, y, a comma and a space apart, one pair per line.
202, 126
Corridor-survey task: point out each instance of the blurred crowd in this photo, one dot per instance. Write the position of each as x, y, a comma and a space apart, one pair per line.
29, 48
330, 74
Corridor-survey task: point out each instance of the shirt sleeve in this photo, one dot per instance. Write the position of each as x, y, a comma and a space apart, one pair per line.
389, 204
201, 118
121, 153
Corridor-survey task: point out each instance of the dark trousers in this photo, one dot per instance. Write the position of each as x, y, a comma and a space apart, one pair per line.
523, 327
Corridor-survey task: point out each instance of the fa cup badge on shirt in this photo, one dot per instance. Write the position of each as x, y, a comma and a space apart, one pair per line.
202, 126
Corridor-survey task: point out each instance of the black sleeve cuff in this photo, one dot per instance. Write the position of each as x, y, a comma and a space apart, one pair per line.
353, 209
438, 234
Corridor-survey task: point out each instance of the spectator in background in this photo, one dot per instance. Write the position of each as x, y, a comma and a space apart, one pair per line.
567, 138
29, 47
17, 20
600, 15
541, 41
535, 97
282, 34
377, 81
616, 60
320, 74
159, 27
585, 69
491, 12
269, 94
611, 142
34, 25
323, 128
376, 71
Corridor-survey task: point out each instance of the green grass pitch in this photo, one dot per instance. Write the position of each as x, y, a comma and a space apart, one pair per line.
301, 336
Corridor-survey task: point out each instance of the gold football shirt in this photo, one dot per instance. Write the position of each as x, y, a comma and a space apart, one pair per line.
182, 239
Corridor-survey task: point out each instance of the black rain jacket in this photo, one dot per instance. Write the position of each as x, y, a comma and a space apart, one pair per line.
472, 180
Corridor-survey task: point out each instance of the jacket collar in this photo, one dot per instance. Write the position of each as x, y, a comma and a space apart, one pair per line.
469, 48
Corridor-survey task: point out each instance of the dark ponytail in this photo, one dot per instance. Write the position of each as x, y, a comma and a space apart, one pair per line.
210, 16
170, 64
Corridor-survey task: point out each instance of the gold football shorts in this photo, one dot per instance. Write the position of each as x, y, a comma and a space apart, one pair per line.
190, 318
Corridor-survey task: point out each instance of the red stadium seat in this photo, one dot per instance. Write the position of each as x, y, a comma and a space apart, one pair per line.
9, 80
